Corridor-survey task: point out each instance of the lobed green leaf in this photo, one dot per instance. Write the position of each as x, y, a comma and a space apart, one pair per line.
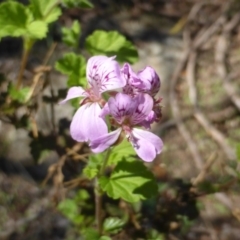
75, 67
131, 181
45, 10
111, 43
37, 30
14, 18
71, 35
123, 150
93, 166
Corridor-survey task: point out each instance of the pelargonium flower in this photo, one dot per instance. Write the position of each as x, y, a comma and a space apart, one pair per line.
128, 113
144, 81
103, 74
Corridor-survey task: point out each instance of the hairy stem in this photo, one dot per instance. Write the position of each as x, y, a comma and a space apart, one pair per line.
98, 193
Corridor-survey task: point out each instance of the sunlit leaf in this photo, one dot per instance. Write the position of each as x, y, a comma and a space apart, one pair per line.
113, 225
131, 181
37, 29
123, 150
45, 10
111, 43
14, 18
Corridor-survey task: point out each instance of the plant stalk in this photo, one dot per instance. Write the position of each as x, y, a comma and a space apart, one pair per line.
27, 47
98, 193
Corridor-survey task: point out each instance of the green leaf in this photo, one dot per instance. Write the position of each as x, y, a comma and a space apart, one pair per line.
18, 94
130, 180
71, 35
123, 150
82, 195
93, 166
113, 225
14, 18
153, 234
37, 30
75, 67
104, 238
45, 10
111, 43
90, 234
238, 152
69, 208
78, 3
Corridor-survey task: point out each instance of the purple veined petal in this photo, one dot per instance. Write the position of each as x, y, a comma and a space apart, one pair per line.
105, 141
146, 123
130, 76
74, 92
105, 111
121, 106
133, 83
103, 74
150, 80
146, 144
86, 124
144, 107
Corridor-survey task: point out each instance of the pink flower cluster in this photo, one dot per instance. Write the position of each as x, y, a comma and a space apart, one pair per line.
130, 106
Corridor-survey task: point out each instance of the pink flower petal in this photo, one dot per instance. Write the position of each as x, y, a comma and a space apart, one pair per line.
121, 106
150, 80
74, 92
103, 74
146, 144
86, 124
105, 141
145, 106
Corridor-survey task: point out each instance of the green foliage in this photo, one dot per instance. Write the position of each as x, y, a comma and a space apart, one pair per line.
111, 43
74, 66
77, 3
104, 238
186, 223
123, 150
37, 30
27, 21
71, 35
155, 235
45, 10
131, 181
238, 152
14, 18
70, 209
18, 95
113, 225
93, 166
90, 234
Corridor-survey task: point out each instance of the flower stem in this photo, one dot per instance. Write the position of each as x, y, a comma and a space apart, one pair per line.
98, 193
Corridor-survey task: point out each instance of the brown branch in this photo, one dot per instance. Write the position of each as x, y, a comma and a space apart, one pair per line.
199, 115
220, 56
